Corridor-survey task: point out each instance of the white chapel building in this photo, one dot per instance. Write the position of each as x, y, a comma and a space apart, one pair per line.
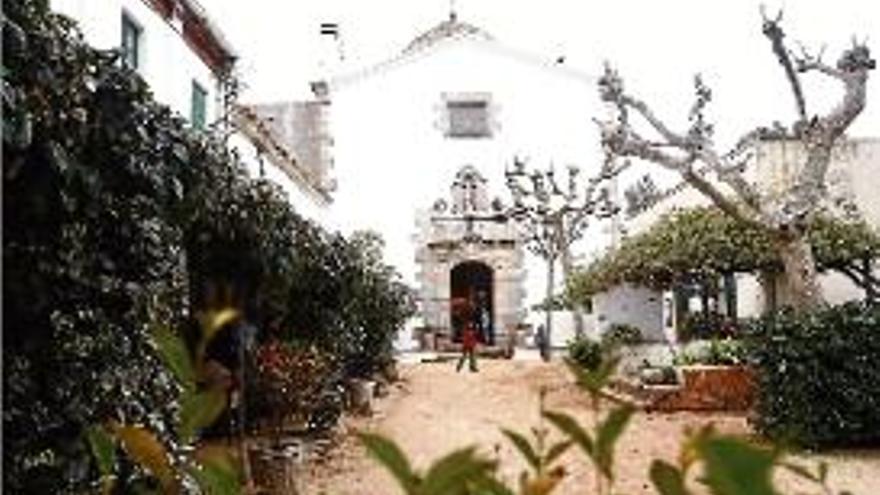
409, 137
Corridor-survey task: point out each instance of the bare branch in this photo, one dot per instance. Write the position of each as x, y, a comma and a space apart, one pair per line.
719, 199
641, 107
620, 139
820, 134
774, 32
808, 62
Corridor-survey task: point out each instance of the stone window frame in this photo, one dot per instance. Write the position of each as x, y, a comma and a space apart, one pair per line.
470, 99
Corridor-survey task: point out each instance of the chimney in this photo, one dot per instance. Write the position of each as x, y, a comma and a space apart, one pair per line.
331, 54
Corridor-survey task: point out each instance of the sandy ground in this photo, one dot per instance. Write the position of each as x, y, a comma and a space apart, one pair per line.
433, 411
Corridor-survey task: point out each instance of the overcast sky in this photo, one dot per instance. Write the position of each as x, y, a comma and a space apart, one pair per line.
657, 45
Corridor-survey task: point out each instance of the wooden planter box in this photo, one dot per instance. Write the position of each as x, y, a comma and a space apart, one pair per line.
708, 388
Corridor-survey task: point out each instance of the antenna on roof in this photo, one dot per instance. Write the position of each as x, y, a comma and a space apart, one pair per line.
331, 30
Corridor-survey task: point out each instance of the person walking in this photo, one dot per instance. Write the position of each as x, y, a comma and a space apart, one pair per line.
468, 347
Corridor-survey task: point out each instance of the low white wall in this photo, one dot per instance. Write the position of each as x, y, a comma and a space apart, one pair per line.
636, 306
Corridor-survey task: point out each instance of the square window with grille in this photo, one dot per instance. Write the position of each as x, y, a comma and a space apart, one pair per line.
131, 42
468, 118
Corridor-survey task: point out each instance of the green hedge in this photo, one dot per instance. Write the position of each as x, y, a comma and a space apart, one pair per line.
117, 217
819, 375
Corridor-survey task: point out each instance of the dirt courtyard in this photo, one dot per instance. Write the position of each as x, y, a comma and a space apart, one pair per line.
433, 410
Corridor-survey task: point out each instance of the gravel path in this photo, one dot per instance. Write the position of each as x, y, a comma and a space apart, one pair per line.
433, 410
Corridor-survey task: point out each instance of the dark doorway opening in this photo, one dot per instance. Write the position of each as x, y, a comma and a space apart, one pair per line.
471, 300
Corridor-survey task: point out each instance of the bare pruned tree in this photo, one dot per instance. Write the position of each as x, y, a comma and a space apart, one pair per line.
553, 217
693, 154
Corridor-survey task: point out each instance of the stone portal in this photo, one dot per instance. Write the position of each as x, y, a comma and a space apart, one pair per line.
470, 264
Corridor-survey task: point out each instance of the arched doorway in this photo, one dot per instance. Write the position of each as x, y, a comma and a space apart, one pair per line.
471, 297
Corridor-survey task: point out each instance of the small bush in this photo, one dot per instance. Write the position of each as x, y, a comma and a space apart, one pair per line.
586, 353
818, 375
620, 334
287, 379
719, 352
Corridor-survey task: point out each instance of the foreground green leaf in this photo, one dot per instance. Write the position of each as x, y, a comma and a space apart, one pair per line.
667, 479
608, 434
104, 451
216, 477
572, 429
200, 410
456, 472
735, 467
389, 455
524, 447
176, 356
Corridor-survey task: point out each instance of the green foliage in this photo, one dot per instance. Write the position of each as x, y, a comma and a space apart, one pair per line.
540, 457
286, 383
594, 381
201, 406
719, 352
621, 334
705, 243
817, 375
587, 353
461, 472
667, 479
708, 325
117, 218
734, 467
91, 249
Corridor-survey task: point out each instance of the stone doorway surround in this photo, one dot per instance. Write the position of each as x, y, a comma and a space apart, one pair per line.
465, 229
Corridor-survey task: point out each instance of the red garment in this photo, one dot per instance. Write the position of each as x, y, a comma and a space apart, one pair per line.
469, 337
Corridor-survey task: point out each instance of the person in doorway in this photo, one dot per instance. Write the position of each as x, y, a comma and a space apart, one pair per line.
468, 346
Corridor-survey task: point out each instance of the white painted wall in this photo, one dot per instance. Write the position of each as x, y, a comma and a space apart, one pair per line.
167, 63
392, 158
636, 306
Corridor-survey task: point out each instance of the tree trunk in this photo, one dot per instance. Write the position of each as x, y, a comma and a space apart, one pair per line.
576, 312
800, 280
545, 344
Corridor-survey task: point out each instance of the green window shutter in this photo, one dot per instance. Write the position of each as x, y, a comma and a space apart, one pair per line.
131, 41
198, 107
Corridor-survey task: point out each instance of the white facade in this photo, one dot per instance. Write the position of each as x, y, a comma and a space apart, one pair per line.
389, 124
167, 61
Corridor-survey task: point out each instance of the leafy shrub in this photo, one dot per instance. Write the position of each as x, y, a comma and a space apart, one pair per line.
818, 375
619, 334
91, 250
586, 353
719, 352
286, 382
